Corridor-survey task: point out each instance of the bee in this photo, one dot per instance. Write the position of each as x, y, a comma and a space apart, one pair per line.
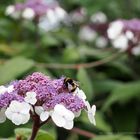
71, 84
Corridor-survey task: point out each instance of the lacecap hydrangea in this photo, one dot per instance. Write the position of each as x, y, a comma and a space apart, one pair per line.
40, 96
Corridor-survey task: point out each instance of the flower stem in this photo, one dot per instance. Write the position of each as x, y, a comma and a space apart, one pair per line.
35, 128
18, 138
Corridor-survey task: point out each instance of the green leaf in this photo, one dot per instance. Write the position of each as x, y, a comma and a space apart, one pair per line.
71, 54
85, 82
24, 133
49, 41
114, 137
14, 68
122, 67
43, 135
123, 93
7, 138
102, 86
101, 123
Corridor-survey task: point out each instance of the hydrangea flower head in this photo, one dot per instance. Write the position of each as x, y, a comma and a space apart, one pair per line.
37, 95
125, 34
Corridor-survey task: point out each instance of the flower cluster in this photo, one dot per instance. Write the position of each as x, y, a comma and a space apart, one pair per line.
47, 14
125, 35
40, 96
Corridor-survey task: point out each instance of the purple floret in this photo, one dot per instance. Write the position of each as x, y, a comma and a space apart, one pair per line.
6, 98
39, 7
70, 101
39, 83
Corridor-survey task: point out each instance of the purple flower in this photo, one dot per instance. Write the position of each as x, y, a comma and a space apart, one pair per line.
43, 97
6, 98
40, 84
40, 7
59, 85
70, 101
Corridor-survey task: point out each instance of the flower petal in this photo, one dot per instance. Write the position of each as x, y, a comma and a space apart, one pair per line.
2, 115
16, 119
69, 115
25, 118
81, 94
44, 116
77, 114
68, 125
30, 98
59, 109
3, 89
58, 119
93, 108
87, 105
8, 113
10, 88
25, 108
38, 110
91, 118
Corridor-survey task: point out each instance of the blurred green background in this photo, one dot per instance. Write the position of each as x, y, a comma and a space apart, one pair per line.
112, 82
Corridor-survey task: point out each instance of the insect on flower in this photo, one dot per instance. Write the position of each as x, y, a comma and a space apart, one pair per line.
71, 84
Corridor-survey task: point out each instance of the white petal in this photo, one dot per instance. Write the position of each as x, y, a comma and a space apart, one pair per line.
3, 89
31, 94
129, 35
68, 115
68, 125
59, 109
10, 88
77, 114
121, 42
2, 115
93, 108
99, 17
8, 113
51, 16
101, 42
28, 13
87, 34
58, 120
81, 94
59, 13
16, 119
30, 98
136, 50
38, 110
14, 105
44, 116
10, 9
91, 117
32, 101
115, 29
87, 105
25, 118
25, 108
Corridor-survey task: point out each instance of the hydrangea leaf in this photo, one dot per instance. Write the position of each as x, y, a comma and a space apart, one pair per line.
123, 93
43, 135
25, 133
7, 139
14, 68
103, 86
71, 54
101, 123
